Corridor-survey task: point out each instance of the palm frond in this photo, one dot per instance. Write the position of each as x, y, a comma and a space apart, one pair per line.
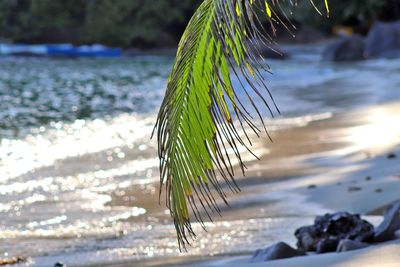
202, 111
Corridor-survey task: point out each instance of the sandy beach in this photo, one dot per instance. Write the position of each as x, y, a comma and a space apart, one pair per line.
339, 163
345, 161
353, 172
385, 255
349, 169
86, 192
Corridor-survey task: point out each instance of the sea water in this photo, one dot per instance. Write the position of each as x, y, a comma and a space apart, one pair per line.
79, 172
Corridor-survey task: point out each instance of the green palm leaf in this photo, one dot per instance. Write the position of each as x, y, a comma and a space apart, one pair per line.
201, 113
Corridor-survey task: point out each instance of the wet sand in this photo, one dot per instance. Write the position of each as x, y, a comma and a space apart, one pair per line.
335, 154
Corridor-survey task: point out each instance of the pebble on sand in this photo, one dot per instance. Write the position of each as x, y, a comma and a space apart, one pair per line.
12, 261
354, 188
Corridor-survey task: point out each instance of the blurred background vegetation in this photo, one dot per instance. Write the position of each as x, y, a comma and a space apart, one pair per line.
156, 23
358, 14
124, 23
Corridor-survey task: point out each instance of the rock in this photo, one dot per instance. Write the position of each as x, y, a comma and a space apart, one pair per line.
331, 227
354, 188
378, 190
383, 40
368, 178
307, 238
348, 245
391, 156
346, 48
311, 186
346, 226
280, 250
327, 245
391, 223
60, 264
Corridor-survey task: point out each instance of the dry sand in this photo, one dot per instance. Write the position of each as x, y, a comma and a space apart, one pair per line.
384, 255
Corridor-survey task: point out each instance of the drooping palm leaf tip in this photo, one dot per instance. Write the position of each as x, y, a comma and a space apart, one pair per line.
202, 111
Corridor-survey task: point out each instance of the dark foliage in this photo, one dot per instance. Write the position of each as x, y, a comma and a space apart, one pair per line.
116, 23
146, 24
359, 14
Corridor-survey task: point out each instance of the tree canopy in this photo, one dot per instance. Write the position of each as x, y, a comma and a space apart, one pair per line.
144, 23
116, 23
360, 14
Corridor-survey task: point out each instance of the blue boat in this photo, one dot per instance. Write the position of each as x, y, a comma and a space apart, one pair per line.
60, 50
83, 51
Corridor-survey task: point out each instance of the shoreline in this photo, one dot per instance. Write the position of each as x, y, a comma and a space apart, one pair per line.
306, 164
308, 171
360, 178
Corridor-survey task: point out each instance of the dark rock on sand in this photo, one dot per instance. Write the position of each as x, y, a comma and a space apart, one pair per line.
337, 226
391, 156
348, 245
280, 250
311, 186
391, 223
308, 238
327, 245
354, 188
346, 48
383, 40
60, 264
